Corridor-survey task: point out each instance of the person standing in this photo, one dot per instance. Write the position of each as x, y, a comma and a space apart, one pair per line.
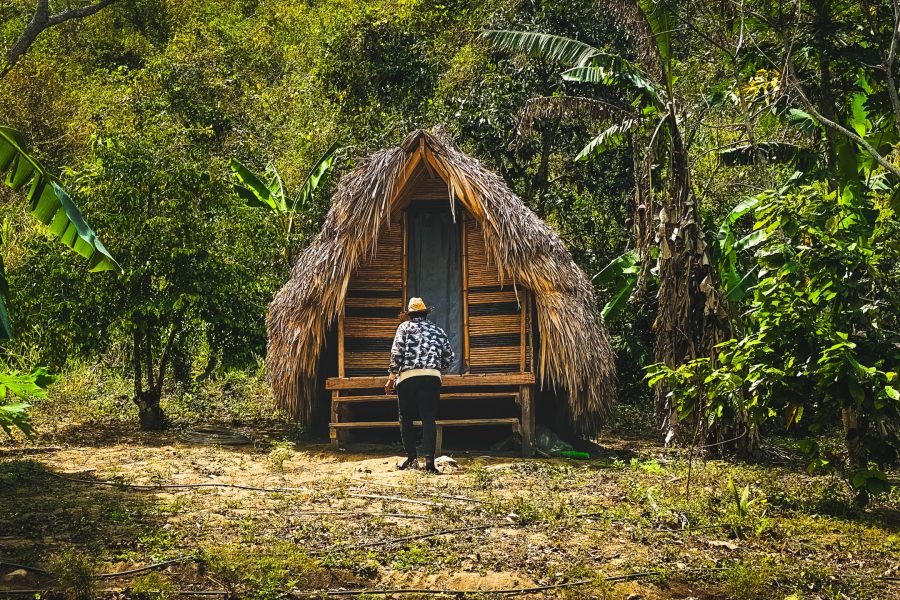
421, 350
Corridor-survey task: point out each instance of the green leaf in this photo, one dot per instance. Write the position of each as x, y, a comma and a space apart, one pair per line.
802, 119
15, 415
802, 158
254, 190
892, 392
859, 116
871, 480
315, 177
622, 273
611, 69
49, 203
552, 47
611, 137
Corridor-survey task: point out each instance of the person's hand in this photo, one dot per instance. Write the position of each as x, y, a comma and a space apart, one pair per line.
389, 387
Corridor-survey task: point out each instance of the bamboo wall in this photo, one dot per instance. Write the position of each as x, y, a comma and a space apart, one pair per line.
495, 314
372, 307
497, 339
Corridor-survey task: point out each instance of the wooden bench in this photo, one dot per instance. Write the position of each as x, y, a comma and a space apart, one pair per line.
440, 424
522, 391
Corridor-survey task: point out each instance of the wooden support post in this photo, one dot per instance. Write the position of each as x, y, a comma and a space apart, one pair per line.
439, 441
341, 372
333, 433
404, 277
526, 393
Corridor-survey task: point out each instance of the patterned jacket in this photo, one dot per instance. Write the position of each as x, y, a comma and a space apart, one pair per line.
420, 344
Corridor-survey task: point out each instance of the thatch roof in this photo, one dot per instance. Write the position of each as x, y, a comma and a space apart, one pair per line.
575, 352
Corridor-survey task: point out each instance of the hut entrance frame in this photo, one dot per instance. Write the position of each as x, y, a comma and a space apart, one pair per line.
495, 362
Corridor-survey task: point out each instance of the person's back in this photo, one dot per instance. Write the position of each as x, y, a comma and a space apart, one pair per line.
421, 350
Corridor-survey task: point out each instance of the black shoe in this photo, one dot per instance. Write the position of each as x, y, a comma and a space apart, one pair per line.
429, 465
409, 464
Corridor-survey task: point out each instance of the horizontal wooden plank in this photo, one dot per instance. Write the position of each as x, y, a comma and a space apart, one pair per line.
441, 423
395, 304
495, 324
463, 380
371, 360
370, 328
393, 397
495, 356
509, 295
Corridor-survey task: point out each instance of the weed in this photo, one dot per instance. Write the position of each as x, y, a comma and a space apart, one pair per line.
414, 555
265, 571
74, 571
745, 511
153, 586
279, 454
745, 581
482, 477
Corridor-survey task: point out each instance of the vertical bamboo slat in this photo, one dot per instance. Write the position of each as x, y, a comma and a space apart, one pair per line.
465, 291
341, 345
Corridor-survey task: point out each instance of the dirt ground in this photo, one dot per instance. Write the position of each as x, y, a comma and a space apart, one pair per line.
635, 522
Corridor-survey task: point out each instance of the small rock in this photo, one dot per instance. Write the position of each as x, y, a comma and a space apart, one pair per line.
723, 544
445, 462
13, 575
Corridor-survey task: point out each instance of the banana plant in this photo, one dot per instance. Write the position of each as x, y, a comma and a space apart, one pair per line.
23, 386
268, 192
49, 203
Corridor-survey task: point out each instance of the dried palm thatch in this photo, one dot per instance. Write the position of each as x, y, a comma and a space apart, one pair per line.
575, 352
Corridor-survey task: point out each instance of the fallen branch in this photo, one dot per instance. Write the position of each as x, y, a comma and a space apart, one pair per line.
3, 563
149, 567
384, 592
175, 486
395, 499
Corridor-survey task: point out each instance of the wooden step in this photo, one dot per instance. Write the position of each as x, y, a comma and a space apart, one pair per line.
393, 397
439, 423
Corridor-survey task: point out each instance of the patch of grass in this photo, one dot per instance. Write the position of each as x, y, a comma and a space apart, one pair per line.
153, 586
747, 581
264, 571
414, 555
73, 570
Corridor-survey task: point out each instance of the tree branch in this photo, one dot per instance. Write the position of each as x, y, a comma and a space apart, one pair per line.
43, 20
833, 126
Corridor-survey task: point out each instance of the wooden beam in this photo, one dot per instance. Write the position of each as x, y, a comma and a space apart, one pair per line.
522, 313
526, 393
332, 431
341, 371
405, 259
444, 397
464, 380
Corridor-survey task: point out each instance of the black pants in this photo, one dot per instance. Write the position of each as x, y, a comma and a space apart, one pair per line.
418, 394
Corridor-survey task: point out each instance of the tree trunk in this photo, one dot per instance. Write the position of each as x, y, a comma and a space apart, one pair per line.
857, 456
150, 413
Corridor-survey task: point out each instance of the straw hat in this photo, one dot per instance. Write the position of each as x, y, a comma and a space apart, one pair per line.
416, 305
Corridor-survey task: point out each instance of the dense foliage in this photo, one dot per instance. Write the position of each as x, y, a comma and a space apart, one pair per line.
714, 113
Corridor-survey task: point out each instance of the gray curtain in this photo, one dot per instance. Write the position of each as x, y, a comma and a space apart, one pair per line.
434, 269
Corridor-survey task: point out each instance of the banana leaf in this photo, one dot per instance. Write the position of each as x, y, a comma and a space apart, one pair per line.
803, 159
255, 191
49, 203
315, 177
553, 47
621, 275
611, 137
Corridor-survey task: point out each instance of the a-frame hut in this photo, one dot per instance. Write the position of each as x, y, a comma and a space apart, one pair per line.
424, 219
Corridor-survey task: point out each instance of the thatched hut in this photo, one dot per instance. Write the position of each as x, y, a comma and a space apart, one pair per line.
425, 219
